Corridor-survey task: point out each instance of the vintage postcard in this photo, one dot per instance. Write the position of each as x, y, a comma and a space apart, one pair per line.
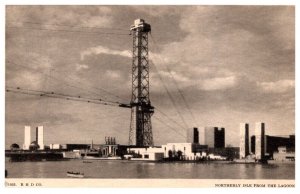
150, 96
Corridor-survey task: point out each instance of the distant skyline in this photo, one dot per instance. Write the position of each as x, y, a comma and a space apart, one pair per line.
232, 64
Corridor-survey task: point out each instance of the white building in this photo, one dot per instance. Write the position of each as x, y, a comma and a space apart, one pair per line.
209, 136
193, 135
27, 138
216, 157
146, 154
201, 135
169, 150
185, 148
40, 137
109, 150
189, 135
72, 155
283, 156
55, 146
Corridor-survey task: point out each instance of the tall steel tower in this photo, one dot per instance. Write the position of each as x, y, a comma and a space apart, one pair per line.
141, 111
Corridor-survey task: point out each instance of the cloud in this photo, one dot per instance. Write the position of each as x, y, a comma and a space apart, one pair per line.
233, 43
157, 10
99, 16
81, 66
159, 58
103, 50
172, 75
33, 69
218, 83
113, 74
279, 86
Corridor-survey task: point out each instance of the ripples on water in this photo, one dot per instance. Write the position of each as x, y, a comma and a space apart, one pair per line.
128, 169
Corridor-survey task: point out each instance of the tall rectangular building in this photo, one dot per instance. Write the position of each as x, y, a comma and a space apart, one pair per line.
27, 138
189, 136
40, 137
214, 137
219, 139
244, 140
196, 136
252, 144
201, 136
209, 137
193, 135
260, 143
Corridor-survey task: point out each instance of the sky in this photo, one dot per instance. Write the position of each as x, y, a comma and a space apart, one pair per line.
209, 66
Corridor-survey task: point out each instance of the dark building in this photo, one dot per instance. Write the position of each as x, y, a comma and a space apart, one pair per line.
247, 139
253, 144
197, 148
219, 137
196, 135
292, 141
273, 142
71, 147
214, 137
229, 153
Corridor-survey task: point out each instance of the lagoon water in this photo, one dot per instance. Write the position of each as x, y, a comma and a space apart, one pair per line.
144, 170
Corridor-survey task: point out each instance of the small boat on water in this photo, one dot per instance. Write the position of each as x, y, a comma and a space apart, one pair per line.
85, 161
75, 174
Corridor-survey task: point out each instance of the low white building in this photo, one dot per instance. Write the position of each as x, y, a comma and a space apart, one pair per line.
75, 154
145, 154
185, 149
55, 146
283, 156
216, 157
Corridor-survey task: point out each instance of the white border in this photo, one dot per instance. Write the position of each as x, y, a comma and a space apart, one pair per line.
131, 2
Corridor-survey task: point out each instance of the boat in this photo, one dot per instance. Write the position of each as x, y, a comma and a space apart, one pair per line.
75, 174
85, 161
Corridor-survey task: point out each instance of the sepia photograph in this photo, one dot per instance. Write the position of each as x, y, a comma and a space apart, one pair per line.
150, 92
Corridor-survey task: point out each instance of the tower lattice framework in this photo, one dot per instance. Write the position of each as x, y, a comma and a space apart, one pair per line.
141, 111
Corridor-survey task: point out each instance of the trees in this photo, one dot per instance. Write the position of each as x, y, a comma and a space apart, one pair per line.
14, 147
34, 146
173, 155
179, 155
170, 154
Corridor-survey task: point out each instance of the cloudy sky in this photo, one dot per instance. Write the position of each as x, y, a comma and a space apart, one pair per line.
231, 64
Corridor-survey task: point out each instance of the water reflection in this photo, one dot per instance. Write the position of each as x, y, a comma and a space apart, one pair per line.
125, 169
